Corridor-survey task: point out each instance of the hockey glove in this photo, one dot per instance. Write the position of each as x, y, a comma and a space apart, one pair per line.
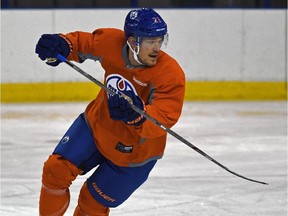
120, 109
49, 45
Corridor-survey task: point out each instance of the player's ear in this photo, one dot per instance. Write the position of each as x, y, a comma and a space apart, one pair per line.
132, 41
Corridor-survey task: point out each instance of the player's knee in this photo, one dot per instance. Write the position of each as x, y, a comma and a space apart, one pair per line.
87, 205
58, 173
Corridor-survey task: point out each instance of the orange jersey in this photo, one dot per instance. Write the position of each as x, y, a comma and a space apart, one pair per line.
161, 87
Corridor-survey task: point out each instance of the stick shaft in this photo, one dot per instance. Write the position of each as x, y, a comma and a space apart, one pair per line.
168, 130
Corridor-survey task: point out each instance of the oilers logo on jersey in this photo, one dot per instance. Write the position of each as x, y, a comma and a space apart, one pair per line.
118, 83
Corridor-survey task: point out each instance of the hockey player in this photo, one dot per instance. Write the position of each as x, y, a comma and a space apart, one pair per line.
109, 135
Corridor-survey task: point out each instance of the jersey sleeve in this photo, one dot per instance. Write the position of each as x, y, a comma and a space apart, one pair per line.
87, 45
167, 101
82, 42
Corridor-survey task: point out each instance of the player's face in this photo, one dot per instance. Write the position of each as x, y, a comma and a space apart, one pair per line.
149, 50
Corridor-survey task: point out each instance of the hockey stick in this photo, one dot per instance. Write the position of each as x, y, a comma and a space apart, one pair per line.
168, 130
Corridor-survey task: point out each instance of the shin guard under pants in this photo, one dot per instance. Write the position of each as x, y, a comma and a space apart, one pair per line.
87, 205
57, 176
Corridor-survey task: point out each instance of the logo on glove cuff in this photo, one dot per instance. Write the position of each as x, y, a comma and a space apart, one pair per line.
117, 84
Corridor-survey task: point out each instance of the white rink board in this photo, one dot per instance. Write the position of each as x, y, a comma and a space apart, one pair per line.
233, 45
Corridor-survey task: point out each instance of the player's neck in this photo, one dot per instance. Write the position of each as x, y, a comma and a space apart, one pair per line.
133, 62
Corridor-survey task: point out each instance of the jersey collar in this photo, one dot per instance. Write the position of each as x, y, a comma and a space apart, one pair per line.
126, 58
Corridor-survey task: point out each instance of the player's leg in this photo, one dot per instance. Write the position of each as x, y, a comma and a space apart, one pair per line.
87, 205
71, 157
110, 186
57, 176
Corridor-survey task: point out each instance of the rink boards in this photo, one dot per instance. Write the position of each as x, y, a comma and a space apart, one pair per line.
195, 90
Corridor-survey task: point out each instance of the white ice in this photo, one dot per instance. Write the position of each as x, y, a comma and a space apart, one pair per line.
249, 138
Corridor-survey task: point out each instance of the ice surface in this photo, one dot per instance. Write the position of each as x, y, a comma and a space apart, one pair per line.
249, 138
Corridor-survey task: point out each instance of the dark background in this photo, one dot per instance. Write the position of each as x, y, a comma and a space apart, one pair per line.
14, 4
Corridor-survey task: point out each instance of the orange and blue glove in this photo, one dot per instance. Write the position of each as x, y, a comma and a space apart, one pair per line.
49, 45
120, 109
